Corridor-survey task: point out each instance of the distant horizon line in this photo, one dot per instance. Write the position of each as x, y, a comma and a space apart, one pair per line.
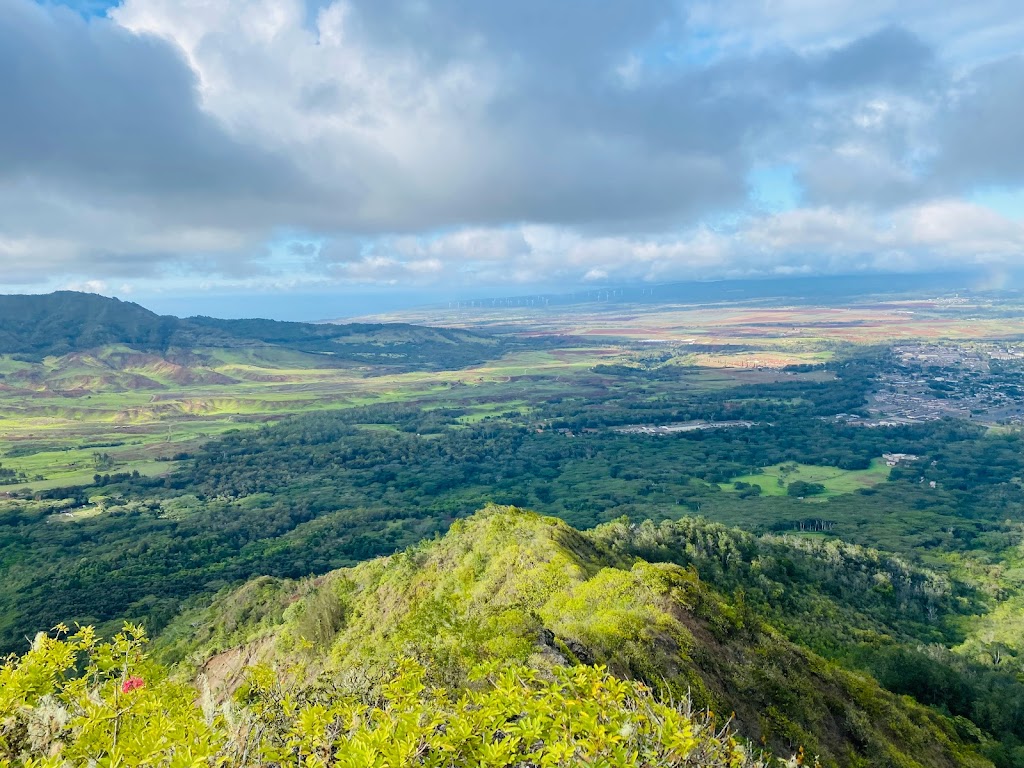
335, 305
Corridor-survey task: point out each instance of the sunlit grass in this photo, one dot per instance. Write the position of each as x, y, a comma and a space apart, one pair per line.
54, 437
775, 480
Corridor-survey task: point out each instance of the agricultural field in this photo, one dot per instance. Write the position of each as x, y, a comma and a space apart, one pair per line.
753, 333
56, 437
65, 418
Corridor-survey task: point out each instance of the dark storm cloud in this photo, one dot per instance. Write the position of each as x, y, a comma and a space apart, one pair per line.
568, 39
892, 57
183, 136
88, 106
981, 127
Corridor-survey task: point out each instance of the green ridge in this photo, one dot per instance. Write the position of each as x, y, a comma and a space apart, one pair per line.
511, 587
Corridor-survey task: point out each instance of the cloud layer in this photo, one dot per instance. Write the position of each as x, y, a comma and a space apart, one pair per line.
281, 143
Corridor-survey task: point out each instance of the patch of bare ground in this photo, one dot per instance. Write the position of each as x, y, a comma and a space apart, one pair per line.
225, 672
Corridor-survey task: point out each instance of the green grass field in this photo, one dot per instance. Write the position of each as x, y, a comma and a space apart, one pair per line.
54, 435
774, 480
142, 409
56, 415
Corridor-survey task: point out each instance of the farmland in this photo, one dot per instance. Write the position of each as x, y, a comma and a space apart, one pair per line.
53, 437
764, 325
141, 411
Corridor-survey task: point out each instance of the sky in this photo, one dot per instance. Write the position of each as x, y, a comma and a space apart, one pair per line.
297, 155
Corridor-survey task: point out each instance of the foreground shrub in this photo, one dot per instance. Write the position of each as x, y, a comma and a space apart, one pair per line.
72, 701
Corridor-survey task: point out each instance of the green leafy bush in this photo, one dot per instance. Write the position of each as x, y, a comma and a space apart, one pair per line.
74, 701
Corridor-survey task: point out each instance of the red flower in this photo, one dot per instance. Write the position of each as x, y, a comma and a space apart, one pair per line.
131, 684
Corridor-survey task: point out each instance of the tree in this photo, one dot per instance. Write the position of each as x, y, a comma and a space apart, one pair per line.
801, 488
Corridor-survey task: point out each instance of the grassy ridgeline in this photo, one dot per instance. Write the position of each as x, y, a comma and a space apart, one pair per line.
508, 587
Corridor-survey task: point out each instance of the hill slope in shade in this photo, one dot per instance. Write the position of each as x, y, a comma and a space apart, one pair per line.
513, 587
67, 324
369, 341
68, 321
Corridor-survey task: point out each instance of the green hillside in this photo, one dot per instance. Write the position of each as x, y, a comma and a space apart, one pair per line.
67, 321
511, 587
866, 613
35, 327
429, 348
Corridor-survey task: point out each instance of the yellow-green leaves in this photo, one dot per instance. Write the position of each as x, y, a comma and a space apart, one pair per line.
511, 717
121, 711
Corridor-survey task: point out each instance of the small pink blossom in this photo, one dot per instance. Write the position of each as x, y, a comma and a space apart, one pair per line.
131, 684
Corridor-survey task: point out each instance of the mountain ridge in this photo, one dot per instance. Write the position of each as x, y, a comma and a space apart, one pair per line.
511, 586
36, 326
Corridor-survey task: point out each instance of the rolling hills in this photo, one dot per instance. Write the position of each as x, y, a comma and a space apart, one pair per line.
80, 371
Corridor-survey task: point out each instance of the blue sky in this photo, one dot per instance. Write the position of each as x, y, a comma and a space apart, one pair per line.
295, 155
774, 188
89, 8
1006, 201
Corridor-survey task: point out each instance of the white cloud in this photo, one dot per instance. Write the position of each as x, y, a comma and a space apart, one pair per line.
967, 31
87, 286
934, 235
449, 141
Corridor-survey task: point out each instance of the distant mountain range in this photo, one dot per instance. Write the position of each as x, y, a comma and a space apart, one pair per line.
33, 327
